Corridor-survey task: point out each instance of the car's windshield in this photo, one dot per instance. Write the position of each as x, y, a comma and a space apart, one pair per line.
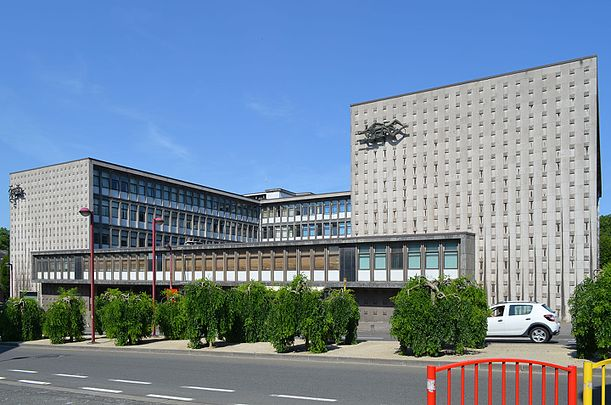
549, 309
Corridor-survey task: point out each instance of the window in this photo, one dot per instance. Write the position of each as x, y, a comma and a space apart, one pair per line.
413, 255
450, 256
364, 257
380, 257
396, 257
432, 256
520, 309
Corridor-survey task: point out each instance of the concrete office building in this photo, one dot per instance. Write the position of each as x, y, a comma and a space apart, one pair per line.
124, 201
496, 179
512, 158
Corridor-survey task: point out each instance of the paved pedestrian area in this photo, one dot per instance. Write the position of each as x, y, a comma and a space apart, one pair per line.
368, 351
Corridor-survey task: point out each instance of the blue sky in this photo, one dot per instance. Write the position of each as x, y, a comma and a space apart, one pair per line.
249, 95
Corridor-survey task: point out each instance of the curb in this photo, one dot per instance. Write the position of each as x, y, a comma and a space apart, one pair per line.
413, 362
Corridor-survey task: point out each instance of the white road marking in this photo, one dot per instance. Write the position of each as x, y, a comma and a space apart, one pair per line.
192, 387
101, 390
130, 381
70, 375
34, 382
16, 370
169, 397
2, 378
305, 398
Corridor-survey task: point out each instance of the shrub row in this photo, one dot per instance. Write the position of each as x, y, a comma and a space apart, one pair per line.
431, 316
590, 308
21, 319
253, 313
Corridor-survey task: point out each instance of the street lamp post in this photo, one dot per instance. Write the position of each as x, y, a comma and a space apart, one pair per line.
11, 281
169, 247
86, 212
155, 222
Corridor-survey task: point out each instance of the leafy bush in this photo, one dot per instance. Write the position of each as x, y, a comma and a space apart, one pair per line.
297, 310
21, 320
126, 316
343, 311
590, 308
248, 306
204, 310
170, 315
65, 317
430, 316
283, 320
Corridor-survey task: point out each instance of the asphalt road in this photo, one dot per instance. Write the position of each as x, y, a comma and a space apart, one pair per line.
56, 375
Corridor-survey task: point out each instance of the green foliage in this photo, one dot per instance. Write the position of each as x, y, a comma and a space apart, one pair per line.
430, 316
126, 316
5, 239
297, 310
605, 240
343, 312
21, 320
283, 320
314, 323
205, 309
590, 308
5, 276
247, 309
170, 315
65, 317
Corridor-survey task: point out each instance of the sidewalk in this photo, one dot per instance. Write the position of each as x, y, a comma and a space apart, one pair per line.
373, 352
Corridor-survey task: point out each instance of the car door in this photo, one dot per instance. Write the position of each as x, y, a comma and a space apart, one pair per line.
518, 319
496, 322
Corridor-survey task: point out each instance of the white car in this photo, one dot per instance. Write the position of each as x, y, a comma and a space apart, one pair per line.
520, 318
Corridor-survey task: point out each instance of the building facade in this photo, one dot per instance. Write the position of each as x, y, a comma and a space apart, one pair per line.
496, 179
512, 158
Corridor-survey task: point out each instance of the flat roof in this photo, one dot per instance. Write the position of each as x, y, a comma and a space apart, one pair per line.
475, 80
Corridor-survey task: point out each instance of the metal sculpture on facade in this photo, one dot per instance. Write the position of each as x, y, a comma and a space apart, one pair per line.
15, 193
378, 133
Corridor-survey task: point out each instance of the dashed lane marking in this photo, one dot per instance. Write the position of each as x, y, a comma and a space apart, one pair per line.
130, 381
102, 390
192, 387
304, 398
18, 370
169, 397
70, 375
34, 382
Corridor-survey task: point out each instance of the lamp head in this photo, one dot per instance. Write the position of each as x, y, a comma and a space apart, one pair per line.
158, 220
85, 212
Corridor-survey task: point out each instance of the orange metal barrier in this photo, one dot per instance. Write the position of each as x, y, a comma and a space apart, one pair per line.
431, 386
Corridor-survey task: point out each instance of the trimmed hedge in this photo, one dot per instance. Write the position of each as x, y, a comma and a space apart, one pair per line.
430, 316
590, 309
65, 317
127, 317
170, 315
21, 319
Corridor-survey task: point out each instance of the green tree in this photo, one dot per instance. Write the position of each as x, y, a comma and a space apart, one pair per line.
605, 240
126, 316
5, 277
205, 307
432, 315
5, 239
65, 317
590, 308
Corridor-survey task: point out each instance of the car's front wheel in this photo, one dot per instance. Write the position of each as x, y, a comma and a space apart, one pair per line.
539, 334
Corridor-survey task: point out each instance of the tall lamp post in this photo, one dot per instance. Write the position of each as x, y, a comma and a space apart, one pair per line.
169, 247
86, 212
155, 222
